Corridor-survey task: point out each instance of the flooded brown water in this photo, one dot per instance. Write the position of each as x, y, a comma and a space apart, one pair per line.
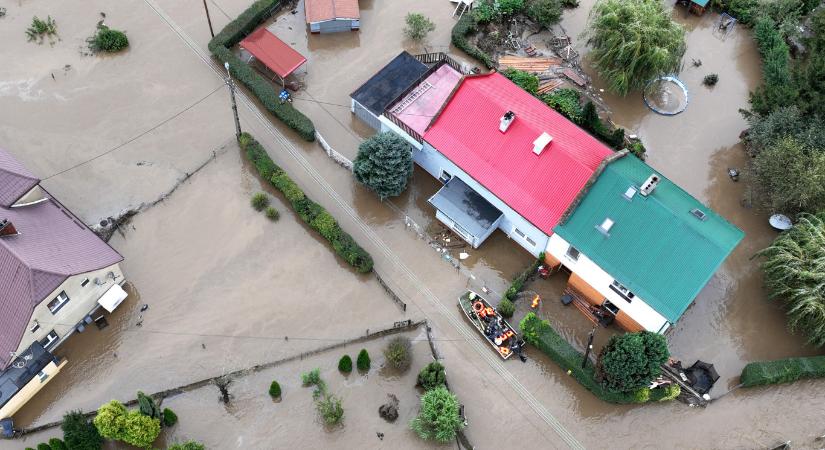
218, 276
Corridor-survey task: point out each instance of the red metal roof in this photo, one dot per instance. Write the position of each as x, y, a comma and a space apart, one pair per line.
323, 10
539, 187
273, 52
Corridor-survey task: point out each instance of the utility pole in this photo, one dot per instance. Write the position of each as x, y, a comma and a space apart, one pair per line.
208, 19
589, 346
231, 84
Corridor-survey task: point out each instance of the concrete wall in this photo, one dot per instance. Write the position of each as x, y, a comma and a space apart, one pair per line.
365, 115
30, 389
82, 300
639, 311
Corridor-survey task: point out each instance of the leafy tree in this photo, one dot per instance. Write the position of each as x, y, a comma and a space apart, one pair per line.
810, 73
345, 364
384, 164
432, 376
43, 446
418, 26
789, 176
794, 267
363, 360
113, 421
509, 7
633, 41
79, 433
484, 11
398, 353
188, 445
631, 361
590, 117
525, 80
545, 12
438, 419
57, 444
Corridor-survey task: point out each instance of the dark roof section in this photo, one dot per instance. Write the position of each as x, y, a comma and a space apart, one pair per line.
14, 378
15, 180
386, 85
465, 206
51, 245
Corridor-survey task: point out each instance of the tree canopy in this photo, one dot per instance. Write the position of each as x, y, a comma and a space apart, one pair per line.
633, 42
632, 360
789, 176
384, 164
794, 267
114, 421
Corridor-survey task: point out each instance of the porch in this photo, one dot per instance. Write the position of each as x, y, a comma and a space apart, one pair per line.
465, 212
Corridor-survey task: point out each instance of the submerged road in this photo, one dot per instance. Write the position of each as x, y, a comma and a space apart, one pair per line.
377, 243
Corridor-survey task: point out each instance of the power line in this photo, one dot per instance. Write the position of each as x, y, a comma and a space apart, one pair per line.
119, 146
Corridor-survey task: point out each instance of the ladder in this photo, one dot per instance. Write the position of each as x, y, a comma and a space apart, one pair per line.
412, 97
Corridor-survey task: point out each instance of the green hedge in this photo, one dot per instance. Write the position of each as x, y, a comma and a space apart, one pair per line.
260, 87
782, 371
520, 279
540, 334
310, 212
465, 26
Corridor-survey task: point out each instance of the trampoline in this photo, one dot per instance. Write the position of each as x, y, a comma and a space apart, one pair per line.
667, 96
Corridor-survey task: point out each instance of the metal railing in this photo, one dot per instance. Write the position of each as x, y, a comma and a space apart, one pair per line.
406, 128
430, 58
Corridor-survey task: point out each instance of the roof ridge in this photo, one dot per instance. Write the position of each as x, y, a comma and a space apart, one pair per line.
22, 175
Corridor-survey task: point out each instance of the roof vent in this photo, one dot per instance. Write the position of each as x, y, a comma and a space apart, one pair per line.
604, 227
630, 192
699, 214
506, 120
649, 185
7, 228
541, 142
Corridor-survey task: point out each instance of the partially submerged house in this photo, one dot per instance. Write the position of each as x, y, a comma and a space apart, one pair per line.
639, 246
332, 16
54, 274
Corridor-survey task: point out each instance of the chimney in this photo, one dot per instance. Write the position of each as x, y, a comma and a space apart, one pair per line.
7, 228
649, 185
541, 142
506, 120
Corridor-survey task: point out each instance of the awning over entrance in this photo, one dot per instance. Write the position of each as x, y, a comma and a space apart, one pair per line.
470, 211
112, 298
274, 53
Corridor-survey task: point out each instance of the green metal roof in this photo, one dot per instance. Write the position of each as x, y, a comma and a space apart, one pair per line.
656, 247
702, 3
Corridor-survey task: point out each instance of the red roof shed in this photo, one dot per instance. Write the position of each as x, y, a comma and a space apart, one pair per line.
273, 52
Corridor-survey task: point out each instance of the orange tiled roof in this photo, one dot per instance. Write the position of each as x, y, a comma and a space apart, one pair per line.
322, 10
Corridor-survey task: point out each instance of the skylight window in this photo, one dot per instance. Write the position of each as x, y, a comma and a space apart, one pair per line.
605, 226
630, 192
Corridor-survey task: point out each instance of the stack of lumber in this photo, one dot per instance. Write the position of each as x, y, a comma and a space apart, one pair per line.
528, 64
549, 86
574, 77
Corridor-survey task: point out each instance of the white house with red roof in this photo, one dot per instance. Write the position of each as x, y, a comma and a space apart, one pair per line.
506, 159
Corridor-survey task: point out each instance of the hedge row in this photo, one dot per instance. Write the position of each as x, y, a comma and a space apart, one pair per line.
310, 212
540, 334
782, 371
778, 89
260, 87
518, 282
465, 26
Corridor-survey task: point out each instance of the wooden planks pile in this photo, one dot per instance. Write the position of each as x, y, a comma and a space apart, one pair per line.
528, 64
549, 86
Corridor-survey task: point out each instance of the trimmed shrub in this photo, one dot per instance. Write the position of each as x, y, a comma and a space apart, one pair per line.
309, 211
439, 418
363, 360
384, 164
113, 421
259, 201
169, 417
466, 25
274, 389
57, 444
79, 433
632, 360
507, 308
519, 280
43, 446
540, 334
108, 40
330, 409
345, 364
782, 371
188, 445
432, 376
271, 213
398, 353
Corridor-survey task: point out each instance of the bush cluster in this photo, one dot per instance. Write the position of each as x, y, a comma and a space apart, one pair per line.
169, 417
506, 307
274, 389
310, 212
57, 444
432, 376
525, 80
188, 445
782, 371
399, 353
540, 334
231, 34
466, 25
545, 12
632, 360
710, 79
271, 213
114, 421
439, 418
345, 364
79, 433
418, 26
518, 282
363, 360
259, 201
108, 40
778, 90
327, 405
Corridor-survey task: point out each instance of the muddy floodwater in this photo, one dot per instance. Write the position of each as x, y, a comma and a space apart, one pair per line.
228, 289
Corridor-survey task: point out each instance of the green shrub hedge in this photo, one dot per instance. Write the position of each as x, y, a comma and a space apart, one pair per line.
518, 282
345, 364
465, 26
233, 33
363, 360
310, 212
782, 371
169, 417
540, 334
275, 390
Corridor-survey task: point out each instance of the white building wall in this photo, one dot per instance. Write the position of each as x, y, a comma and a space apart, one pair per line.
82, 300
600, 280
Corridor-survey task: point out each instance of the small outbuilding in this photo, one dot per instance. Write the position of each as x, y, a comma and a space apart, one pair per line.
332, 16
273, 53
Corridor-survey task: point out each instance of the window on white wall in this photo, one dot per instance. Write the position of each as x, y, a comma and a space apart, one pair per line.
58, 302
624, 292
49, 340
445, 176
572, 253
84, 282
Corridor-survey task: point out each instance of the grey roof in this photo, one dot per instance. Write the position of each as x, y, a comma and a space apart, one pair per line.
15, 180
14, 378
465, 206
390, 82
51, 245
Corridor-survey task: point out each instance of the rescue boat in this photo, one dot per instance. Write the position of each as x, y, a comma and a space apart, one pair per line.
487, 320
